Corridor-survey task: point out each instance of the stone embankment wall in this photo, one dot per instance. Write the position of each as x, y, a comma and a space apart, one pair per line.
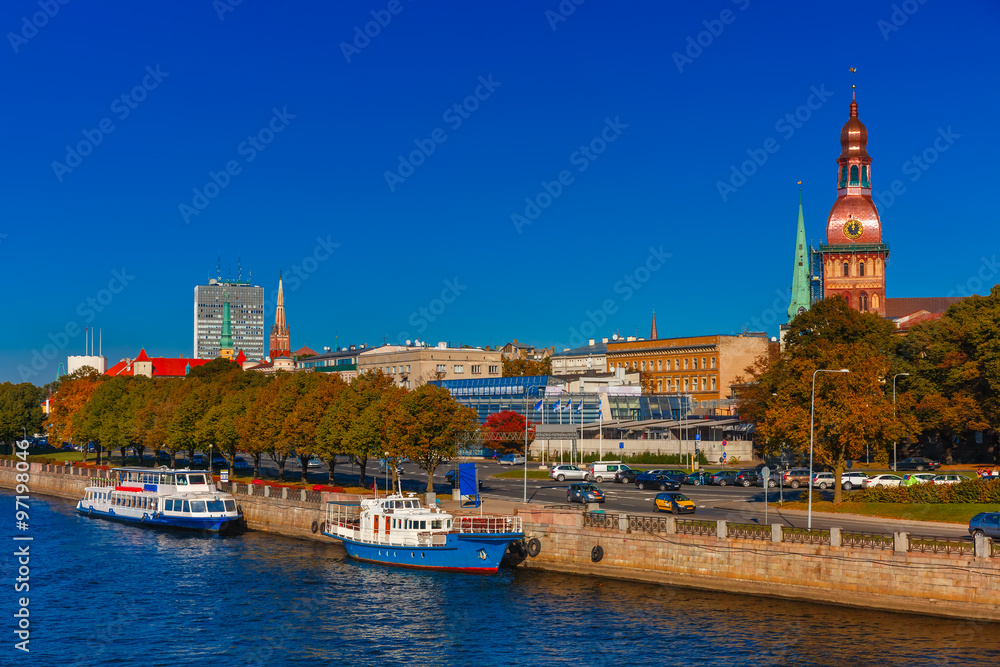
894, 572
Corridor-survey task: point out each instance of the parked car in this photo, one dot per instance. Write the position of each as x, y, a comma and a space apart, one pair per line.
240, 463
657, 481
199, 461
584, 493
823, 480
723, 478
601, 470
987, 523
678, 475
561, 473
950, 479
627, 475
882, 480
675, 503
67, 448
853, 479
163, 457
918, 463
746, 478
313, 462
795, 477
511, 460
698, 478
912, 479
219, 462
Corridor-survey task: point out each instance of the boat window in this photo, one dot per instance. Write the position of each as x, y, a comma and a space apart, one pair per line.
186, 507
435, 525
423, 525
409, 503
216, 506
197, 506
396, 503
197, 479
168, 505
449, 523
230, 505
182, 480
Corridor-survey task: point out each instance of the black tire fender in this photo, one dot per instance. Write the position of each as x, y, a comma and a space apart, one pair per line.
596, 554
315, 527
534, 547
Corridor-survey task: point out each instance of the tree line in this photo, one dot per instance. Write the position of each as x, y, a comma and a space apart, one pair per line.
281, 416
947, 386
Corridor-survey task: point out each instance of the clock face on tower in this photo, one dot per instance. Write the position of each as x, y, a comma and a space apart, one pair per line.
853, 229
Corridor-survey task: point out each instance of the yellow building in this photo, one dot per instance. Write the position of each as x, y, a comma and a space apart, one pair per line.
411, 366
705, 367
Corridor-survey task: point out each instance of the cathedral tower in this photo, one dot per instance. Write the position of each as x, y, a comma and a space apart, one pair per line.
281, 345
854, 256
800, 300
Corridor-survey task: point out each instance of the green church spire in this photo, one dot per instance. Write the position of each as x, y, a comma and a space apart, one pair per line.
800, 271
226, 340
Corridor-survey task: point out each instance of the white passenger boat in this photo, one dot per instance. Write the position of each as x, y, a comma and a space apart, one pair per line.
399, 530
185, 499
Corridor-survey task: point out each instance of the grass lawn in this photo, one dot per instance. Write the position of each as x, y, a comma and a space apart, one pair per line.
519, 474
946, 512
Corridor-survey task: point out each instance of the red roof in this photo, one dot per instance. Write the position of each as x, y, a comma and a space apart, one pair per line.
302, 351
900, 307
162, 366
240, 358
142, 355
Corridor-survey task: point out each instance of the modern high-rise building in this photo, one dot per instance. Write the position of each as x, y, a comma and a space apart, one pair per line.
246, 313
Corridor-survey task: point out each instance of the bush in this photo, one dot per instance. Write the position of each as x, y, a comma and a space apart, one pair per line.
973, 491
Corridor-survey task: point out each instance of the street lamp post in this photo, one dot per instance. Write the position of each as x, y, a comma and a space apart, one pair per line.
894, 457
526, 442
812, 417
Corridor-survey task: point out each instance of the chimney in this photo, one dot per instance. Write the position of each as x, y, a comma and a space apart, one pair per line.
591, 343
604, 340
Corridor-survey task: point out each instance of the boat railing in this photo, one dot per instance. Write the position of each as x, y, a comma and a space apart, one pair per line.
103, 481
487, 524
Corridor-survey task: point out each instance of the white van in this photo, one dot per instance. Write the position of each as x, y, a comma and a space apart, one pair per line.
602, 470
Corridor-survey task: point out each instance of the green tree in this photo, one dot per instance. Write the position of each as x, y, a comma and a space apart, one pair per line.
20, 411
320, 391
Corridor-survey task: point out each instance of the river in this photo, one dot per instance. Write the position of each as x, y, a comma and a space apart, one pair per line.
107, 594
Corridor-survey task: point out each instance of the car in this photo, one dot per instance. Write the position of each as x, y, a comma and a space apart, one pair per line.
795, 477
918, 463
746, 478
240, 463
601, 470
511, 460
584, 493
912, 479
950, 479
199, 460
698, 478
163, 457
986, 523
561, 473
627, 476
882, 480
657, 481
823, 480
852, 480
723, 478
67, 448
675, 503
313, 462
219, 462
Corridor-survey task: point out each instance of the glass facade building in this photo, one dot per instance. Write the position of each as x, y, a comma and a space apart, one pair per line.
246, 315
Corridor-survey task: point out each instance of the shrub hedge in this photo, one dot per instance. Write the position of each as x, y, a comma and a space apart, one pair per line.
972, 491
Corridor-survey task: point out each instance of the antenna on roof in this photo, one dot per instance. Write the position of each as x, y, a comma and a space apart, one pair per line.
218, 268
239, 269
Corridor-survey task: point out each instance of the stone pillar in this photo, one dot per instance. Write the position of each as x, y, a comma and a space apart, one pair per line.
900, 543
983, 547
592, 507
302, 495
720, 529
835, 537
284, 492
670, 525
431, 499
456, 494
776, 533
623, 522
267, 492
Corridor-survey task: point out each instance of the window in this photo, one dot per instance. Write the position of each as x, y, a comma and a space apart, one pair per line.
494, 370
713, 362
644, 366
197, 505
685, 384
685, 367
459, 368
216, 506
843, 176
704, 384
703, 364
660, 364
713, 383
182, 480
230, 505
847, 270
407, 368
861, 269
659, 385
197, 479
854, 175
186, 507
441, 368
863, 302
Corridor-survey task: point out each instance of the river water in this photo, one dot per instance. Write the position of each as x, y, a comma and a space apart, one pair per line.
107, 594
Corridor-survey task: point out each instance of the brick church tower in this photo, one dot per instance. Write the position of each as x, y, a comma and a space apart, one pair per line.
854, 256
281, 345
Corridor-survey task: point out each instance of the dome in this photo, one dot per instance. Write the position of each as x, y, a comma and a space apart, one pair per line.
854, 137
851, 208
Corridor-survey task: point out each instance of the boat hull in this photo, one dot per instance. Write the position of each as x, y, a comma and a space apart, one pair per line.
476, 553
221, 525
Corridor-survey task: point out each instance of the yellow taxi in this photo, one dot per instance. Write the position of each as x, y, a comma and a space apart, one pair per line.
674, 502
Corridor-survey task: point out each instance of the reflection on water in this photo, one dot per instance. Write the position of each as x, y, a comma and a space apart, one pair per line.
104, 593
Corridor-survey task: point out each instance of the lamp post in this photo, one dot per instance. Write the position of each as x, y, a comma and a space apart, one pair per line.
812, 417
526, 442
894, 458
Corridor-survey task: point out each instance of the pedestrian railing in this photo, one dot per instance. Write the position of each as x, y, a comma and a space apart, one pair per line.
648, 524
748, 531
696, 527
598, 520
884, 541
805, 536
942, 545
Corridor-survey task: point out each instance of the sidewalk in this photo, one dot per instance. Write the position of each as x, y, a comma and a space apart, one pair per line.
758, 508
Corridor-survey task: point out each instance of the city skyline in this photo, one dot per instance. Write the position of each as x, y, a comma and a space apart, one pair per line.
612, 163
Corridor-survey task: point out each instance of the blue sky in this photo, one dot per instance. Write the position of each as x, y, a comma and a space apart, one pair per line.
264, 133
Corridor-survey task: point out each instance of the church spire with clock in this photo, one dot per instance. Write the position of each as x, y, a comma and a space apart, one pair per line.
854, 256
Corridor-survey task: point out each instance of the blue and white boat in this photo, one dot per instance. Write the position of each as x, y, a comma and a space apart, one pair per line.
399, 530
165, 498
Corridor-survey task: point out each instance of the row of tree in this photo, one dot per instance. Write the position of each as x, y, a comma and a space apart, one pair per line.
937, 389
21, 412
280, 416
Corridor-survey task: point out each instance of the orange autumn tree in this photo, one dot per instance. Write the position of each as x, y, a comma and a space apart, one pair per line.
68, 403
853, 410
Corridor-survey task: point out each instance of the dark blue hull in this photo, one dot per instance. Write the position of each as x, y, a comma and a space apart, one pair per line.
478, 553
224, 526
